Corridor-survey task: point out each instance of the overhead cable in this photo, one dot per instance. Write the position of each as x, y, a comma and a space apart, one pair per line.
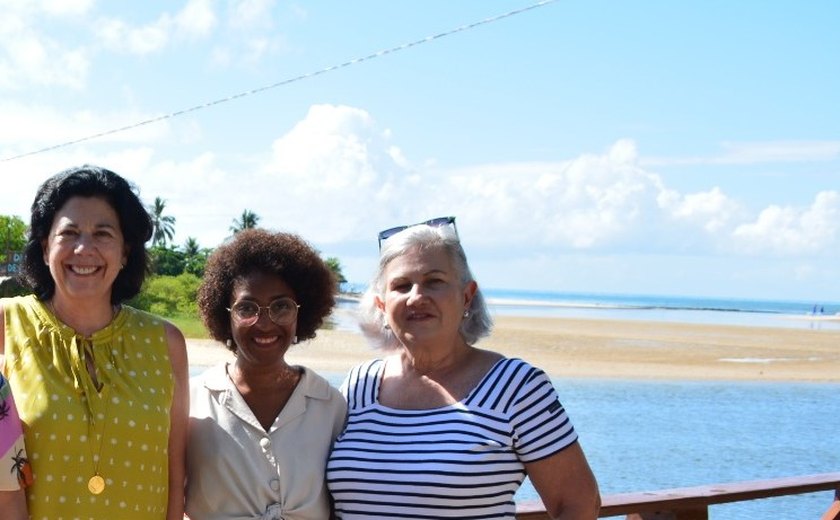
246, 93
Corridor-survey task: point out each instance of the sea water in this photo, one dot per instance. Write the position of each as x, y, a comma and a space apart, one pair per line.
682, 309
642, 436
651, 435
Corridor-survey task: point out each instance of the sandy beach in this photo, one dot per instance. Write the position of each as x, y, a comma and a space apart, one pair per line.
593, 348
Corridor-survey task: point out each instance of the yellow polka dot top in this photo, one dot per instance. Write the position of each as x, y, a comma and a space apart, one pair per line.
74, 430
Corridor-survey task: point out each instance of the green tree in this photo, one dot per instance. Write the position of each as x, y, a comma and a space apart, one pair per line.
195, 258
163, 226
12, 240
191, 247
169, 296
248, 220
335, 266
12, 233
166, 260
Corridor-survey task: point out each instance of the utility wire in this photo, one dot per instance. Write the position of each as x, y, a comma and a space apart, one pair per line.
246, 93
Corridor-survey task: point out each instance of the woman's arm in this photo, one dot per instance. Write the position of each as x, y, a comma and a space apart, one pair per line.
13, 505
566, 484
178, 422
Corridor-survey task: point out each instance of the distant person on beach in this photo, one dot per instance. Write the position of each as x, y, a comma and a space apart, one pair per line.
261, 429
15, 472
437, 427
100, 387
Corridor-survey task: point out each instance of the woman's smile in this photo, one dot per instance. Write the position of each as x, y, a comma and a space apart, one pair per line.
84, 270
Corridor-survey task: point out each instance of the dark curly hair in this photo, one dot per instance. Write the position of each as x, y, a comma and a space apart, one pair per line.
88, 181
283, 254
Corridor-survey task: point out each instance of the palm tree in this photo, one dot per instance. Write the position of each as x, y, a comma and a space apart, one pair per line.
248, 220
191, 247
163, 226
335, 266
194, 257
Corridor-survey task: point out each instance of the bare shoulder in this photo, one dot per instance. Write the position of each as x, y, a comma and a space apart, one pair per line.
486, 358
177, 345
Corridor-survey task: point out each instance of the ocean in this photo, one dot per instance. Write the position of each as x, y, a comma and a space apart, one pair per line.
649, 435
682, 309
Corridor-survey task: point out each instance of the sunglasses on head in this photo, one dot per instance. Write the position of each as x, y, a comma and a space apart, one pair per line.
435, 222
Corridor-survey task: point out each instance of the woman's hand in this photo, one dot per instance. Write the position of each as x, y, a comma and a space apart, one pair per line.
13, 505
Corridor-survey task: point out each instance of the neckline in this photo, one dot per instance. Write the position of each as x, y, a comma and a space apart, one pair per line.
42, 308
457, 404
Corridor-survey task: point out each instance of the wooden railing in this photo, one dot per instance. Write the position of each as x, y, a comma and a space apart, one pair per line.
692, 503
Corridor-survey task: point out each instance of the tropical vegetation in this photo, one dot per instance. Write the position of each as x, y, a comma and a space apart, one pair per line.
163, 226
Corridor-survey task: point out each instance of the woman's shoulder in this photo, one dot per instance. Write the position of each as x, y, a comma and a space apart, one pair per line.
134, 318
509, 378
318, 386
361, 386
509, 365
20, 311
139, 317
12, 302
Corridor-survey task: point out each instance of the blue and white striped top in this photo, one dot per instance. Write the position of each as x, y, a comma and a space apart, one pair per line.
464, 460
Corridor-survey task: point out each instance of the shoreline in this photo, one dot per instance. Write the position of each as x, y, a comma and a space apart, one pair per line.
607, 349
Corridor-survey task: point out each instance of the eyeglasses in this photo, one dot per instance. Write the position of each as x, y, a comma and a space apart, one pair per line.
282, 311
435, 222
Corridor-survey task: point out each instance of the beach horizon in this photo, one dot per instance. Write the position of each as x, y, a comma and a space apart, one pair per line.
606, 348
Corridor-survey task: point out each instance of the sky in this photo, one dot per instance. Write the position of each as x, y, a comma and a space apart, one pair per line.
660, 148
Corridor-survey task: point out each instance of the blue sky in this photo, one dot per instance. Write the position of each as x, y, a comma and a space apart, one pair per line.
678, 148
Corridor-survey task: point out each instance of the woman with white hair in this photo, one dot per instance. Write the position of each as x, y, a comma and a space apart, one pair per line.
438, 428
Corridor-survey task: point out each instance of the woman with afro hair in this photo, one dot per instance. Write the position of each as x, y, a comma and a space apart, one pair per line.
261, 429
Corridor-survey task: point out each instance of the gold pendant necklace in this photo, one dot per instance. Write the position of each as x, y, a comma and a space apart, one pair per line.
96, 483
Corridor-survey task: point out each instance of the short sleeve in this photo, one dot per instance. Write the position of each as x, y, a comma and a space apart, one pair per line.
540, 425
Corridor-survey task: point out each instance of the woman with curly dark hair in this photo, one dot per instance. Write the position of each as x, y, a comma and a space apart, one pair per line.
101, 387
261, 429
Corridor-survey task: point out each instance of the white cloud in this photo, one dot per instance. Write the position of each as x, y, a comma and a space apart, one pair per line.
789, 231
32, 127
711, 210
65, 7
118, 36
593, 201
334, 159
338, 175
758, 153
196, 19
251, 13
28, 57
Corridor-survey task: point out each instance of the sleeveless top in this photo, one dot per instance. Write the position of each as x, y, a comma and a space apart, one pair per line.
464, 460
74, 430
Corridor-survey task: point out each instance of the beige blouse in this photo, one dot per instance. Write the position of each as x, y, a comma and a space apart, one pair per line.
236, 470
